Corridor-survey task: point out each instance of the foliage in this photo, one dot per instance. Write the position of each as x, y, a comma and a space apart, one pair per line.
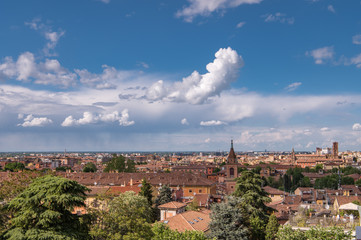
273, 183
44, 211
147, 191
257, 170
330, 181
10, 188
90, 167
14, 166
305, 182
120, 164
61, 169
193, 206
162, 231
358, 183
350, 170
295, 176
229, 220
272, 227
315, 233
164, 196
249, 189
345, 180
127, 216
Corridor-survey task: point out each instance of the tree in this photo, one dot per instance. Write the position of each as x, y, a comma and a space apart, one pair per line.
127, 216
345, 180
120, 164
165, 195
229, 220
90, 167
162, 231
249, 189
14, 166
9, 189
147, 191
272, 227
315, 233
44, 211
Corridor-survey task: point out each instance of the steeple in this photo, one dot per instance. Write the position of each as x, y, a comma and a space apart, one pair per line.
232, 157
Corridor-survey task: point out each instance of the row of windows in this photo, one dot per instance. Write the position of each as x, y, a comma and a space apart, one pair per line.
199, 190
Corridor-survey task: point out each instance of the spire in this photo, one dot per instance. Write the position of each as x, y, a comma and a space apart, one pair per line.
232, 157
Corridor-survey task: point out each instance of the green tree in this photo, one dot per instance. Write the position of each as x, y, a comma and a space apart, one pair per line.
345, 180
120, 164
14, 166
272, 227
305, 182
165, 195
44, 211
229, 221
330, 181
127, 216
315, 233
358, 183
147, 191
90, 167
249, 189
162, 232
9, 189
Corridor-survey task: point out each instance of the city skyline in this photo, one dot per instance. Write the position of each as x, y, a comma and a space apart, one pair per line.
110, 75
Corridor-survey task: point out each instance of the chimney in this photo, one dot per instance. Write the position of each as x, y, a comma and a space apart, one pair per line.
131, 181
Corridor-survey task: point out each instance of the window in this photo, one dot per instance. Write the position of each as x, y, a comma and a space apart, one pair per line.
190, 190
200, 190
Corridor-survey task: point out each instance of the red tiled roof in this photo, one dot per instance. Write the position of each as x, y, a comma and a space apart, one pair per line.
172, 205
189, 220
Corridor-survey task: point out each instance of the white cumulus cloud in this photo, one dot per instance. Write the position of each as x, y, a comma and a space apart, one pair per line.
321, 55
198, 88
356, 127
91, 118
25, 68
212, 123
31, 121
206, 7
324, 129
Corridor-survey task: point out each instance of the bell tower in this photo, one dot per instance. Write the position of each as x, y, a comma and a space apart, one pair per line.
232, 164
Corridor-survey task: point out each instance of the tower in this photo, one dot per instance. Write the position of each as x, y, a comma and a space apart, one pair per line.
232, 164
335, 150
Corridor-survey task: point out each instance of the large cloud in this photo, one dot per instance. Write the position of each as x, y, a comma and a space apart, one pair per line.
197, 88
49, 72
31, 121
91, 118
206, 7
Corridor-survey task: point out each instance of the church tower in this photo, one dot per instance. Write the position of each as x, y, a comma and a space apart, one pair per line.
232, 164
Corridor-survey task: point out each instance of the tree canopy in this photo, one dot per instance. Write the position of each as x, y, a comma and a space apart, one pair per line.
44, 211
127, 216
14, 166
165, 195
229, 220
120, 164
253, 198
90, 167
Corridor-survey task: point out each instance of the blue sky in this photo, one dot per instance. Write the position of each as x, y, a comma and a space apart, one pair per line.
140, 75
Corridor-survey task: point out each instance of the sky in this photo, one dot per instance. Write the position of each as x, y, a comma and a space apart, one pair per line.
185, 75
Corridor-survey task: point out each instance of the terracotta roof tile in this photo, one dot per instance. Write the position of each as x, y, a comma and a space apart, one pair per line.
172, 205
189, 220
